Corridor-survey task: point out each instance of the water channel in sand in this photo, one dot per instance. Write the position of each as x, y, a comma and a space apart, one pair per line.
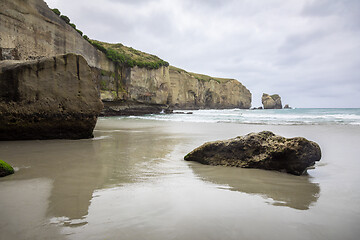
131, 182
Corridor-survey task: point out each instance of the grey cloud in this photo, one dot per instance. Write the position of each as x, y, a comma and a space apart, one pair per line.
348, 10
295, 41
290, 51
291, 59
329, 7
208, 3
132, 2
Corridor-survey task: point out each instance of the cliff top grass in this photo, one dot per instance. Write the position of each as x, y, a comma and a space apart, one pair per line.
128, 55
201, 77
119, 53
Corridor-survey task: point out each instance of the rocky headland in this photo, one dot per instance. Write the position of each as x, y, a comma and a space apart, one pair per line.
263, 150
31, 31
166, 85
127, 80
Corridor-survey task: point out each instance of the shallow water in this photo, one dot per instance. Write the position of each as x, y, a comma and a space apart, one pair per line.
131, 182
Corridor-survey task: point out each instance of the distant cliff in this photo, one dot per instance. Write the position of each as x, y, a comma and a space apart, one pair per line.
174, 87
192, 91
30, 30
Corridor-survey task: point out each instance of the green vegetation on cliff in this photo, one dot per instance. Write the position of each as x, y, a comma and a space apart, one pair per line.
67, 20
56, 11
129, 56
119, 53
200, 77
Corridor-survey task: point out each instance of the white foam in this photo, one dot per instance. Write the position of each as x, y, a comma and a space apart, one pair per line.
268, 117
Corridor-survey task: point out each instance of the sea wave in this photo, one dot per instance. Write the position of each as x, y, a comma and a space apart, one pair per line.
267, 117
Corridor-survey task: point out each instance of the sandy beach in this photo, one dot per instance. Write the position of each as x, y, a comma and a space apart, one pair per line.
131, 182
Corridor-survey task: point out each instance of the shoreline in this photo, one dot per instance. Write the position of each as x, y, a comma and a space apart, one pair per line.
298, 117
131, 179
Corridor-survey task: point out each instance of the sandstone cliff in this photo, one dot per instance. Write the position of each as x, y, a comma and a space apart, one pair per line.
30, 30
174, 87
49, 98
192, 91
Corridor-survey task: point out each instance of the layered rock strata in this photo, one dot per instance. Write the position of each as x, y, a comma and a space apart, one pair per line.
189, 92
175, 88
50, 98
263, 150
131, 108
30, 31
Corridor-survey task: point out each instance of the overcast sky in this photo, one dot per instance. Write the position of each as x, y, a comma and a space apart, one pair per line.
308, 51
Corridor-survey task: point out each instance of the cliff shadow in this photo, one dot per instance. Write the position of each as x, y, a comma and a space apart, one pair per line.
296, 192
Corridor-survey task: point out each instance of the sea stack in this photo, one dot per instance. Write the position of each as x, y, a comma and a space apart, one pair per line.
271, 101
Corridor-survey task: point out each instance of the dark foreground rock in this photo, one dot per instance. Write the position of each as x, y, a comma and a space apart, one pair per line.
132, 108
263, 150
46, 99
5, 169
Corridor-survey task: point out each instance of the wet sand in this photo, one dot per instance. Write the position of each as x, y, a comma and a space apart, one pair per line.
131, 182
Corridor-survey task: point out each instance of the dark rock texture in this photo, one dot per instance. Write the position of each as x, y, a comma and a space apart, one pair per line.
271, 102
5, 169
131, 108
263, 150
50, 98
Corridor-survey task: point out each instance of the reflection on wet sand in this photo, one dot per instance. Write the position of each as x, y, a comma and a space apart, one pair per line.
297, 192
131, 181
73, 170
23, 210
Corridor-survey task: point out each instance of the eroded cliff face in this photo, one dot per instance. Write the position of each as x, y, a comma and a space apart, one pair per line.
178, 89
49, 98
30, 30
187, 92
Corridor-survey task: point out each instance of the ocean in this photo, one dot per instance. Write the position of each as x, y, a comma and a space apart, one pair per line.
131, 182
298, 116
